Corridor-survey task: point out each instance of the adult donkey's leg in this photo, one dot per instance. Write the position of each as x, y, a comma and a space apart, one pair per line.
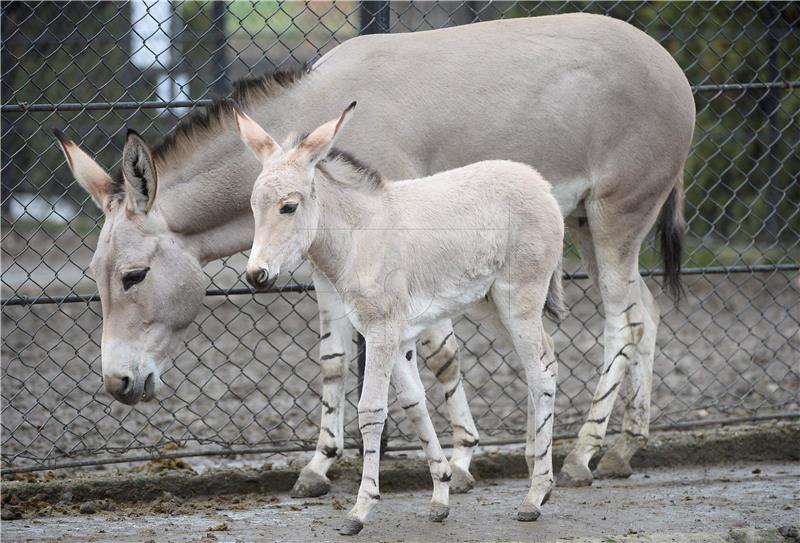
439, 347
636, 390
336, 340
616, 254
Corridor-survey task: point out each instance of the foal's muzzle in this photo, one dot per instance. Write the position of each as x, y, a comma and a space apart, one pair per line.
259, 278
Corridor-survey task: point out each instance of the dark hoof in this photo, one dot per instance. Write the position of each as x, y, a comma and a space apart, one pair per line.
351, 526
462, 481
528, 513
310, 485
613, 466
439, 512
574, 476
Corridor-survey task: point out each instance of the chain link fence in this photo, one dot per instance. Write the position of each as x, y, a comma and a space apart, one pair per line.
248, 380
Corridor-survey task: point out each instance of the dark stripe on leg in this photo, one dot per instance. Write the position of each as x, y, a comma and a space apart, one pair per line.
446, 365
607, 394
441, 346
332, 355
539, 429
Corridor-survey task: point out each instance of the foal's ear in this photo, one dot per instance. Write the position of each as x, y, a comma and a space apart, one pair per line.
256, 138
139, 172
317, 145
88, 173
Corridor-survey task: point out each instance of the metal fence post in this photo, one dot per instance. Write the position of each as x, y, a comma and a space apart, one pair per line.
373, 19
771, 105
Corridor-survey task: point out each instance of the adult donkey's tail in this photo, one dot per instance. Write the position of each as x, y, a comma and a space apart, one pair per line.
671, 228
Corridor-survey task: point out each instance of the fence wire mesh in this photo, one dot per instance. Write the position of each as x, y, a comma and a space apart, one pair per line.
248, 378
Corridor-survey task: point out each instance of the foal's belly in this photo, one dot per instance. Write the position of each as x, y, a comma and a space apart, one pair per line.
444, 303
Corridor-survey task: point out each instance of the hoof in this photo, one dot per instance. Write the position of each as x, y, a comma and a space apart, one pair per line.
613, 466
439, 512
462, 481
310, 485
528, 513
574, 476
351, 526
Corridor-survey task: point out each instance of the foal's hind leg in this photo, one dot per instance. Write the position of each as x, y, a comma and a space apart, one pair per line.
636, 390
519, 308
439, 346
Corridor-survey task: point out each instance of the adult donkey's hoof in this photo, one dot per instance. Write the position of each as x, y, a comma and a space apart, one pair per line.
439, 512
351, 526
574, 475
613, 466
528, 513
310, 485
462, 481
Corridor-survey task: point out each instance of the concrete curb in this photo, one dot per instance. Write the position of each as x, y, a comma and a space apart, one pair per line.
773, 441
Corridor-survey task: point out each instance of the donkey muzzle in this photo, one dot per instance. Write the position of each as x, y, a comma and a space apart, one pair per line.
259, 278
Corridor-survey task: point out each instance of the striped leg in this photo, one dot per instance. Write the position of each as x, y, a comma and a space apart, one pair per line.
411, 395
382, 354
439, 347
637, 385
336, 339
541, 371
519, 308
618, 280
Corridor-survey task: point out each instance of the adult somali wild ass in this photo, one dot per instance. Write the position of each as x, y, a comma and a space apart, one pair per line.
598, 107
404, 256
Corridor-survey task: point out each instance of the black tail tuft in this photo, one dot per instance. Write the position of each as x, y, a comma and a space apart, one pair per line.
670, 235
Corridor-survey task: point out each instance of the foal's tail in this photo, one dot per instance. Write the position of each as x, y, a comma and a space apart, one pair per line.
554, 303
671, 227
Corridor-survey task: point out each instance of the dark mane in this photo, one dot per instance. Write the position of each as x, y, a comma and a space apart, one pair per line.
202, 121
372, 180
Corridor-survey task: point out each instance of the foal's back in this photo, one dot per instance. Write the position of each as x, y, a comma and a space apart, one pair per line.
455, 231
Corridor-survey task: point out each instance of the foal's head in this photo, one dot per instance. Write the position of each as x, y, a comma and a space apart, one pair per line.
285, 205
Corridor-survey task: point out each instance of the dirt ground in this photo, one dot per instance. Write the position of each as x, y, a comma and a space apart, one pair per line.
654, 504
248, 375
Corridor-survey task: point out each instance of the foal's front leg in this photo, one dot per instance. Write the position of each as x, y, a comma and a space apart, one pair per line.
382, 351
336, 341
411, 395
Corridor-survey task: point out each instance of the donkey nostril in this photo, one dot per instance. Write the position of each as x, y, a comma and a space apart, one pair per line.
262, 277
126, 384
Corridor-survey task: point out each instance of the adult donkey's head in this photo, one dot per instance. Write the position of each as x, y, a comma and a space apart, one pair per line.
151, 286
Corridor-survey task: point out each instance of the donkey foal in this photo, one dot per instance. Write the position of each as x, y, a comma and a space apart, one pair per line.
403, 256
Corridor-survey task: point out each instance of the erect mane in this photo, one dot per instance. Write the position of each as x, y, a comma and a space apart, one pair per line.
370, 179
201, 122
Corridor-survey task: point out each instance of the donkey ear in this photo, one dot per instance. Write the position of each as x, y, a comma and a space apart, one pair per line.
256, 138
318, 144
88, 173
139, 172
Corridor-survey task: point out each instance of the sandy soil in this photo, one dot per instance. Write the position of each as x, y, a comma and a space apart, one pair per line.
685, 500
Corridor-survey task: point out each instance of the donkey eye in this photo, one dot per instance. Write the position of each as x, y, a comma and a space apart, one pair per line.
288, 207
132, 277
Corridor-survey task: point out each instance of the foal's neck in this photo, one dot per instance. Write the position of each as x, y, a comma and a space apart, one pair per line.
350, 201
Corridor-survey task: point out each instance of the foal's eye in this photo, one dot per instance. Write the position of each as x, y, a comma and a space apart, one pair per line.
132, 277
288, 208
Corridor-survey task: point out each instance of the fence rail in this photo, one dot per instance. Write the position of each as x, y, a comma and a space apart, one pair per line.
247, 382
